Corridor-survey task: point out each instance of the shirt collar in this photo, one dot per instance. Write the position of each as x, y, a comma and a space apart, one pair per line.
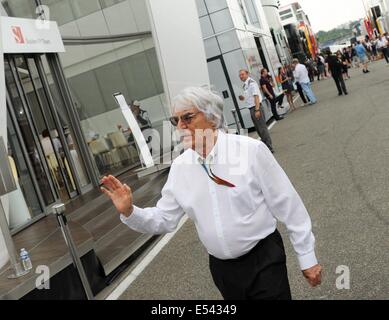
246, 83
215, 150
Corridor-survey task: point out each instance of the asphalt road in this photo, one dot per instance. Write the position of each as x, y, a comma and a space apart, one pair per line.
336, 153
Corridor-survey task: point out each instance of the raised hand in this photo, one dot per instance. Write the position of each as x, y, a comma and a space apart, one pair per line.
120, 194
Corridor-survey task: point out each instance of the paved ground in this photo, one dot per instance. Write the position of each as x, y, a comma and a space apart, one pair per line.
336, 154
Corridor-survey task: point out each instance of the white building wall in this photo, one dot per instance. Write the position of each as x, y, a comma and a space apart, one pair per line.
291, 20
273, 18
178, 41
226, 32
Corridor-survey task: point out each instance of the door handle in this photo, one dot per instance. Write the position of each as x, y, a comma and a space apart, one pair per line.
225, 94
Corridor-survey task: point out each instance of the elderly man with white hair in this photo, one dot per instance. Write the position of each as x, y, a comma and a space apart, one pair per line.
235, 210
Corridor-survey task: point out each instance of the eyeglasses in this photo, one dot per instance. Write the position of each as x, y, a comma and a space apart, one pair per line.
186, 118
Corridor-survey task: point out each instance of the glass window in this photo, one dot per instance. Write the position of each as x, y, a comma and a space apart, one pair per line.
88, 96
109, 3
221, 20
243, 12
64, 11
132, 70
20, 8
252, 12
201, 8
24, 203
211, 47
206, 26
153, 63
285, 12
228, 41
82, 8
286, 17
215, 5
60, 11
138, 76
109, 81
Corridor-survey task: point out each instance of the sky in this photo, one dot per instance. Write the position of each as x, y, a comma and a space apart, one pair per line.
328, 14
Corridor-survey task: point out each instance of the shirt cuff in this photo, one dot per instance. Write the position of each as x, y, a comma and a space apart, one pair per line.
134, 219
307, 261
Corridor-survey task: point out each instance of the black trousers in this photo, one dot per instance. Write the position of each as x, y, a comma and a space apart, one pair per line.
261, 274
340, 84
301, 93
273, 104
385, 51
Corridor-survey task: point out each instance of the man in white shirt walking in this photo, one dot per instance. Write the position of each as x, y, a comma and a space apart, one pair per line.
253, 98
235, 200
383, 46
301, 75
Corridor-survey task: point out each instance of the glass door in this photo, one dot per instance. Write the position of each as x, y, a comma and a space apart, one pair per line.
27, 203
18, 126
43, 124
48, 88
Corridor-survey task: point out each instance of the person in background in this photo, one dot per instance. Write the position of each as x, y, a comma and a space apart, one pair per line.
320, 62
253, 98
362, 56
235, 214
289, 72
69, 138
48, 142
311, 69
383, 47
267, 85
301, 76
354, 56
140, 116
336, 68
345, 64
347, 55
374, 52
368, 47
287, 87
302, 95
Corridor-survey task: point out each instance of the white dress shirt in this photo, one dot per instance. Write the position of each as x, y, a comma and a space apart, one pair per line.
251, 89
301, 74
230, 221
383, 43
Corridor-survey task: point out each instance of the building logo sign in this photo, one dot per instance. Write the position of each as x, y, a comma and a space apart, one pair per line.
27, 36
21, 39
18, 35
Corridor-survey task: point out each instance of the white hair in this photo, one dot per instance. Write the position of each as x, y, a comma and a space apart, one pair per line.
203, 99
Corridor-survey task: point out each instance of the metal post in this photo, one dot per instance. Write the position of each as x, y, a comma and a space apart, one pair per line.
236, 121
59, 211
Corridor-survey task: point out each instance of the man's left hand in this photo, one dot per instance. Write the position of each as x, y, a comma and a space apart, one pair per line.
313, 275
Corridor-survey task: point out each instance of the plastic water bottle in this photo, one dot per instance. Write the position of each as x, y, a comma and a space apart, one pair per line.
25, 258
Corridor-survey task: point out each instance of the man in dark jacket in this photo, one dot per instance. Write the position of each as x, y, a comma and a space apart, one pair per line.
336, 67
